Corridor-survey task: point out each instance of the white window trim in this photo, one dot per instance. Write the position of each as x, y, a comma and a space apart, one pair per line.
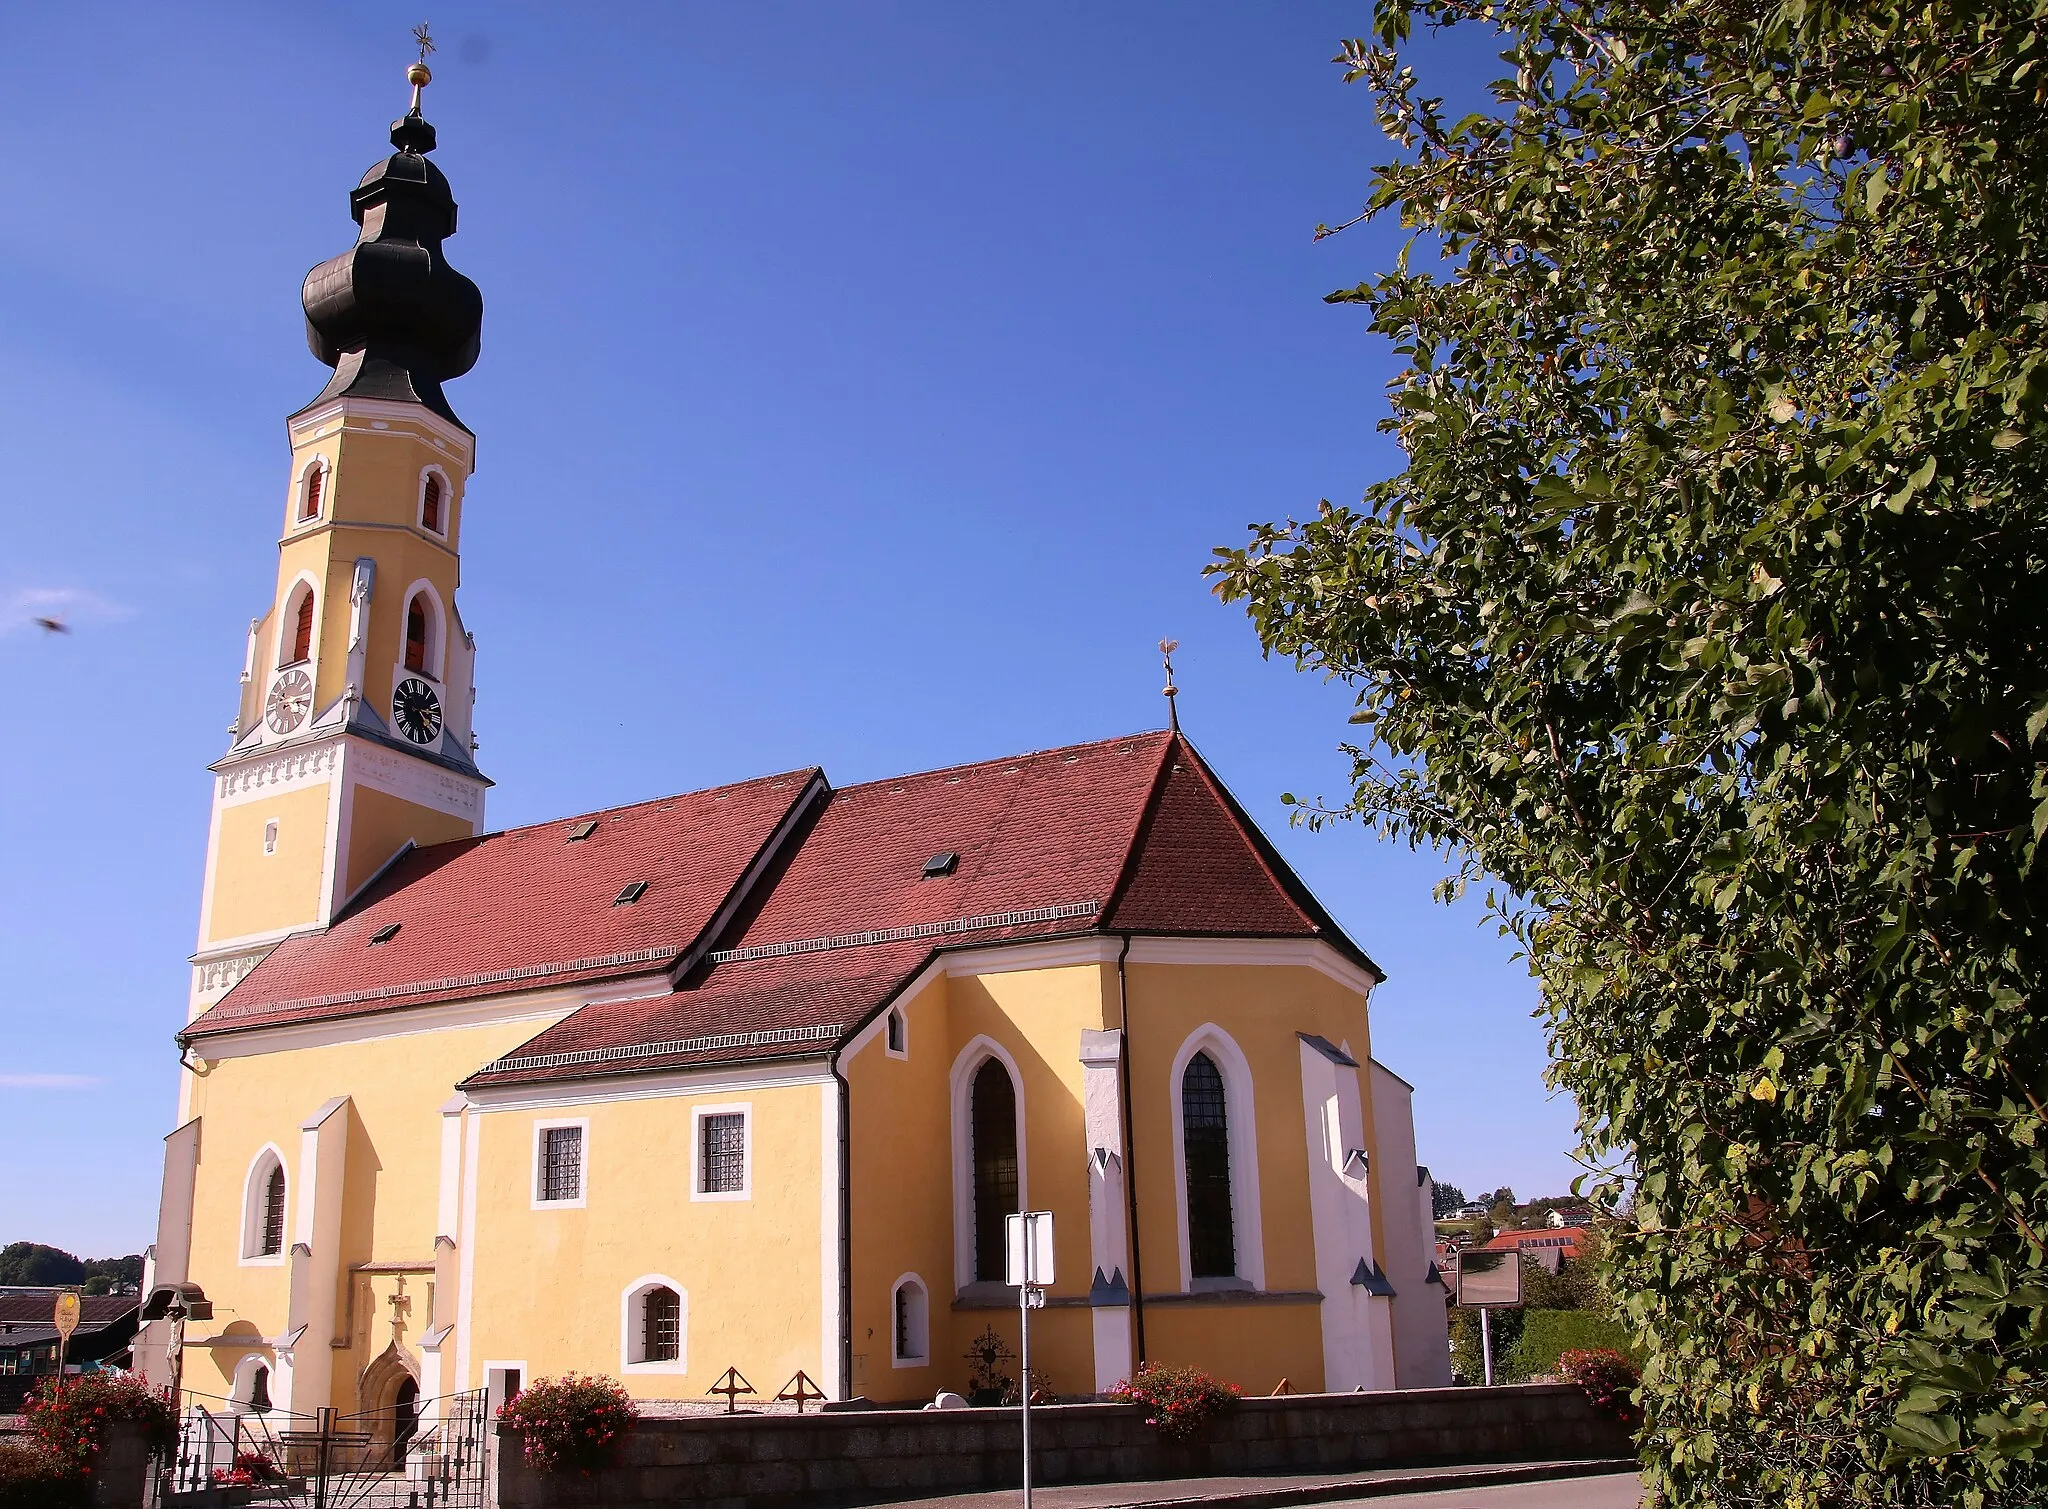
923, 1359
447, 503
631, 1320
300, 518
437, 634
252, 1213
583, 1177
273, 831
1241, 1112
965, 1067
744, 1109
901, 1018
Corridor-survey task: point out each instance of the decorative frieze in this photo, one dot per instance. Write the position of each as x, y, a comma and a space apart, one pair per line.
283, 770
218, 976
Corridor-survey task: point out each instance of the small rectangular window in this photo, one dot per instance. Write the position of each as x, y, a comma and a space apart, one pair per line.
386, 933
583, 830
722, 1169
631, 894
270, 837
561, 1163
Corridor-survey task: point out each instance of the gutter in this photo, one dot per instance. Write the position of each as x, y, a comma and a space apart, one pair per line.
845, 1230
1123, 1003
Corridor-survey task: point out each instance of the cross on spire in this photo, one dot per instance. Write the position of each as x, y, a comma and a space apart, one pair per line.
1170, 691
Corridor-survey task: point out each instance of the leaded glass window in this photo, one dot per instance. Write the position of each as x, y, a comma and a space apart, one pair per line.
1205, 1134
994, 1118
273, 1213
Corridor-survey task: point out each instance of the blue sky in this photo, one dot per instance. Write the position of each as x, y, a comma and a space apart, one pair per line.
860, 385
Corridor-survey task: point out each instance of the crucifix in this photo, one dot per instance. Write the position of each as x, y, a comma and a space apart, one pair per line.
1166, 649
401, 1306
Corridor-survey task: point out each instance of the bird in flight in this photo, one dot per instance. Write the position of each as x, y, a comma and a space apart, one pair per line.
52, 625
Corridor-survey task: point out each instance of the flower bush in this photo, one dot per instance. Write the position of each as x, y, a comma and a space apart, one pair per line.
34, 1477
1179, 1402
69, 1416
1608, 1377
250, 1469
575, 1423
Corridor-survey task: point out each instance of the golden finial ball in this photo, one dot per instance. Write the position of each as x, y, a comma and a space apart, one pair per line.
419, 75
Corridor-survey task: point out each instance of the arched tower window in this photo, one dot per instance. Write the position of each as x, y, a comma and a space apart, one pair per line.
416, 630
1205, 1134
430, 504
263, 1209
313, 491
995, 1166
298, 645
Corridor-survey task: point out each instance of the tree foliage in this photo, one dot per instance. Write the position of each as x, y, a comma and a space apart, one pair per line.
1706, 623
1446, 1200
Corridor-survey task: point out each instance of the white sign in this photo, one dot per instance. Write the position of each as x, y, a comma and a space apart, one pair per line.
1028, 1260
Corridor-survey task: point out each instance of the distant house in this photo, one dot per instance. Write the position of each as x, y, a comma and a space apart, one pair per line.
28, 1337
1473, 1210
1550, 1247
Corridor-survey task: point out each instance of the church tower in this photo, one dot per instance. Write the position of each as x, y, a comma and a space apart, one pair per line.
353, 737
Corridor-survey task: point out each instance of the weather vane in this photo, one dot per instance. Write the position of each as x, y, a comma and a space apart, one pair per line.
419, 75
1166, 649
425, 38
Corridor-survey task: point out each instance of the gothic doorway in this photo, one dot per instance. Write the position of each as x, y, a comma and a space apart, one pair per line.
389, 1398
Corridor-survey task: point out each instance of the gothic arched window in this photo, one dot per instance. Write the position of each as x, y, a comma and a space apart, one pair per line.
273, 1214
416, 631
1205, 1135
300, 647
995, 1166
430, 504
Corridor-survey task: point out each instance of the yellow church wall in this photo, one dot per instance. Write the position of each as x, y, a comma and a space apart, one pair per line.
379, 823
396, 1086
1262, 1007
1252, 1346
550, 1282
254, 892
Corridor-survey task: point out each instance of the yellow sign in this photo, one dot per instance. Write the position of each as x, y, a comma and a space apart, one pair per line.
67, 1314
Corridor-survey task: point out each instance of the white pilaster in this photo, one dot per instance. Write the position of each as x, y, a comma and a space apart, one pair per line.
1109, 1294
305, 1353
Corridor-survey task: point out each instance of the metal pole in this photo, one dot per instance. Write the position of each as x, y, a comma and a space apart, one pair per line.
1024, 1347
1486, 1342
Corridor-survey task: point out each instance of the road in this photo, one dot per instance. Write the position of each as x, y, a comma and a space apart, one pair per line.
1618, 1491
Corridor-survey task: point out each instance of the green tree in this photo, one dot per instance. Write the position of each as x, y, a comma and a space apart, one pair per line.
34, 1263
1447, 1199
1705, 625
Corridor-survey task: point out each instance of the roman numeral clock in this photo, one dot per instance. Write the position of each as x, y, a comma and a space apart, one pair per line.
416, 710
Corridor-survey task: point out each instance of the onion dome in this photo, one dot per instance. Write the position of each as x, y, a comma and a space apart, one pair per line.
392, 318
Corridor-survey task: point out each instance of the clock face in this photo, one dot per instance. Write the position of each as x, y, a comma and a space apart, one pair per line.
291, 695
416, 710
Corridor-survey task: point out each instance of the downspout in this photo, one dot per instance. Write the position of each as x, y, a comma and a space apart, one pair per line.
1123, 1007
845, 1230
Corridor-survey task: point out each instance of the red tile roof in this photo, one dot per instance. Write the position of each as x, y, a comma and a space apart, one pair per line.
841, 917
1565, 1237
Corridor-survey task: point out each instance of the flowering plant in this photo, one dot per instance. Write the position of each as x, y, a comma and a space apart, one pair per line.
575, 1423
31, 1477
69, 1416
1608, 1378
1178, 1402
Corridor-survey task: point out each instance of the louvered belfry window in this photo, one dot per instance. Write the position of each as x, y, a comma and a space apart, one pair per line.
1205, 1132
723, 1161
416, 635
661, 1338
302, 632
994, 1118
430, 504
561, 1163
273, 1213
316, 484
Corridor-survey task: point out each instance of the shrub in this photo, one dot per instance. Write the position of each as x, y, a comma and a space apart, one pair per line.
1467, 1359
69, 1416
1179, 1402
574, 1423
1548, 1334
34, 1477
1608, 1377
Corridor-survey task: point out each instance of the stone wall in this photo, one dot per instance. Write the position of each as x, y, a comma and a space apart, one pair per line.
856, 1457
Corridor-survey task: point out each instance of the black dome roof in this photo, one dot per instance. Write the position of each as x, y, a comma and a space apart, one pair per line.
392, 318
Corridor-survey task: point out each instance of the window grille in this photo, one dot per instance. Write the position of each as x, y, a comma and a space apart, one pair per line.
561, 1163
903, 1343
994, 1118
1205, 1133
273, 1213
723, 1168
430, 505
662, 1326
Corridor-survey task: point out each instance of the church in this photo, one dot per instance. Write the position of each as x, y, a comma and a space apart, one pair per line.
746, 1077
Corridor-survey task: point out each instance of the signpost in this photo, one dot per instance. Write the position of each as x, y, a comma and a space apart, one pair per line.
1489, 1281
66, 1321
1028, 1265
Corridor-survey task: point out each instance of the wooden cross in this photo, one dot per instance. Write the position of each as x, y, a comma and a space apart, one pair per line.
732, 1385
799, 1390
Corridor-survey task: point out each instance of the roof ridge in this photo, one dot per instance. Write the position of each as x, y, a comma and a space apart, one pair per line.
1010, 759
803, 772
1135, 841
